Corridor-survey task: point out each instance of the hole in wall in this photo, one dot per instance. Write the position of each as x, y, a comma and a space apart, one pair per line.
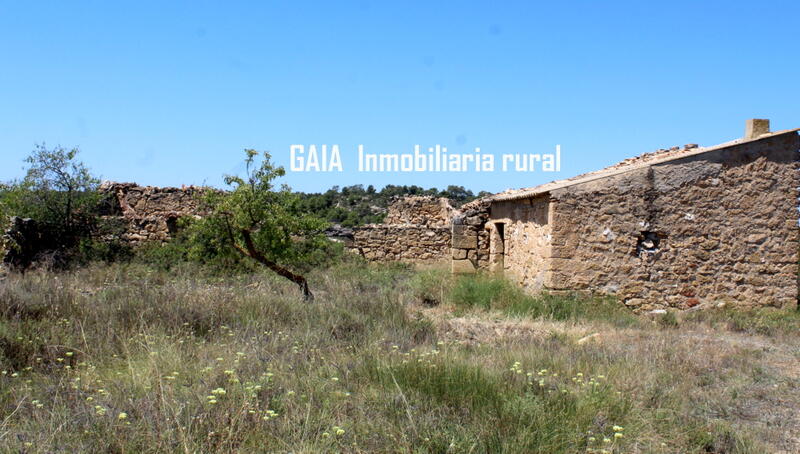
648, 243
172, 225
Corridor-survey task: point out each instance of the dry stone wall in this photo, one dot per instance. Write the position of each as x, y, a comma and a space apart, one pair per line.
150, 213
426, 211
470, 239
402, 243
416, 229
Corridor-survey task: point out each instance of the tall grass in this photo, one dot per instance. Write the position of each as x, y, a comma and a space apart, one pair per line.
495, 293
129, 358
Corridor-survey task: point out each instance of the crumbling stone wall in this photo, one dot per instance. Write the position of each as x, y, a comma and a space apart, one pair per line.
470, 243
150, 213
719, 226
420, 210
416, 229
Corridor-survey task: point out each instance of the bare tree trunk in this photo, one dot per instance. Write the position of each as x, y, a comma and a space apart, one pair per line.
254, 254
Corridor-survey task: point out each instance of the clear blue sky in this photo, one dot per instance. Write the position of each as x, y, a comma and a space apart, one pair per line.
169, 93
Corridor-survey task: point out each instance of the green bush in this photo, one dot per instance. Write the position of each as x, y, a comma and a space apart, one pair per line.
495, 293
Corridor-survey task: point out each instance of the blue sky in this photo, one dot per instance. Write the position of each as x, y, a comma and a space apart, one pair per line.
170, 93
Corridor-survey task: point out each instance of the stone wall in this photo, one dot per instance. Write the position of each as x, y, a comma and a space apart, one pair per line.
718, 226
470, 242
416, 229
150, 213
420, 210
523, 243
402, 243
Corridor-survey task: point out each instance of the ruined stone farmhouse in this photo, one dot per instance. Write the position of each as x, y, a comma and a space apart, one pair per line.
671, 229
675, 228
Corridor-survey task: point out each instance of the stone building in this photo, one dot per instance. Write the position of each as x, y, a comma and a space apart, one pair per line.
416, 229
675, 228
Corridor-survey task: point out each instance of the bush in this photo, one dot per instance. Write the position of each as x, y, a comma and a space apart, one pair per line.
495, 293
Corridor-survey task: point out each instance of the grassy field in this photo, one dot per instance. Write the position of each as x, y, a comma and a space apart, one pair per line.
129, 359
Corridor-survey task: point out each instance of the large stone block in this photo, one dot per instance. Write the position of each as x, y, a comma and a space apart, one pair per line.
462, 267
465, 241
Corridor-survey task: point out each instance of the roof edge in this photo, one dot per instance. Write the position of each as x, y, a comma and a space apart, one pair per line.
599, 174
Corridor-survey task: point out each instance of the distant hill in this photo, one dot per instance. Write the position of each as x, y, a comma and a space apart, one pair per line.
351, 206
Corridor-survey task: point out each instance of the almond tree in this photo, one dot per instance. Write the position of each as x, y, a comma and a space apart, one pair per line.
261, 222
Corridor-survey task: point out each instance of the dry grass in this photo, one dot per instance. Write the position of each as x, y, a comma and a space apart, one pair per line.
128, 359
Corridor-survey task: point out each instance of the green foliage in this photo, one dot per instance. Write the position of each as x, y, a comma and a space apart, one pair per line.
10, 201
488, 292
108, 251
259, 221
5, 214
60, 194
193, 249
271, 215
351, 206
57, 190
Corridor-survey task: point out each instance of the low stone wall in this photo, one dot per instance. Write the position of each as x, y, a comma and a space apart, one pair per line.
416, 230
402, 243
146, 201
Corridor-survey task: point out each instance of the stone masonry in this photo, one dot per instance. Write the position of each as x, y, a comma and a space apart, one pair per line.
676, 228
470, 243
417, 230
673, 229
150, 213
425, 211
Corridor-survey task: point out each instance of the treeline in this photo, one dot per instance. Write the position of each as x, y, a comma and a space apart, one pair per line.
350, 206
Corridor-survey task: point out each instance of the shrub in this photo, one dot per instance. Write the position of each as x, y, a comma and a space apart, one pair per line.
495, 293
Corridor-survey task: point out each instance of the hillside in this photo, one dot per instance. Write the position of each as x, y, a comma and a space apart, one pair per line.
355, 205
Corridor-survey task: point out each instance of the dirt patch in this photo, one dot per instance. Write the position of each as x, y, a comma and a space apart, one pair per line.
487, 328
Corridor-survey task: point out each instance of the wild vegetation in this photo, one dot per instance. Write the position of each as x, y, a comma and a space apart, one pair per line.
355, 205
201, 345
260, 222
60, 193
128, 358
